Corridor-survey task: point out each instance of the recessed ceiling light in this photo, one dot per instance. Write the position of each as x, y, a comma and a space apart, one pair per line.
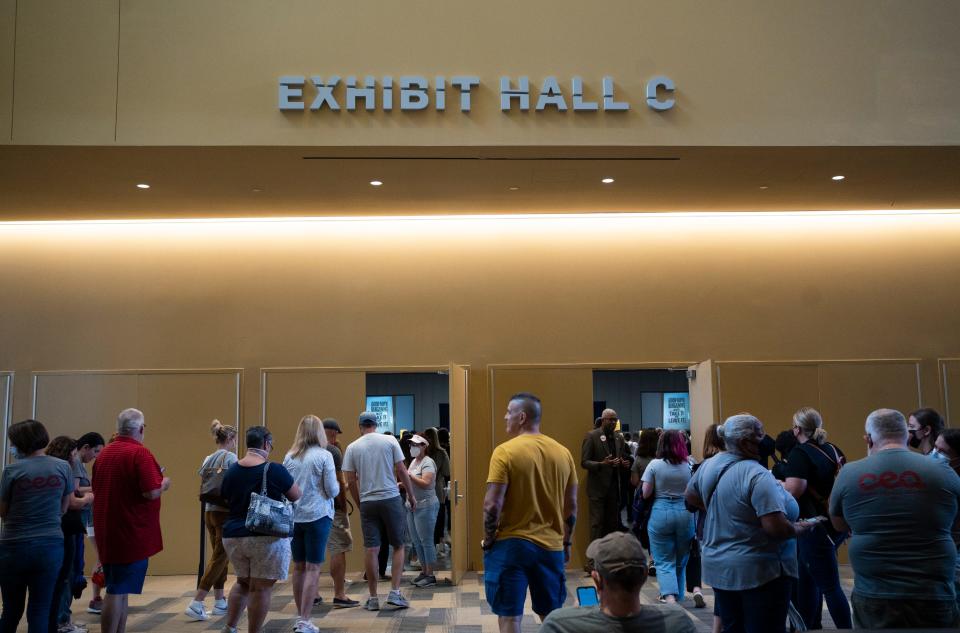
838, 178
764, 187
143, 185
607, 181
256, 190
514, 188
376, 183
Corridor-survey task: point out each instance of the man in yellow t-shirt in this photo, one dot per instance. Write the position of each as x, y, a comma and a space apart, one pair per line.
528, 516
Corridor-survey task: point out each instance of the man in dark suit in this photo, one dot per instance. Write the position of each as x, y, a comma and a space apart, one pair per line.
605, 455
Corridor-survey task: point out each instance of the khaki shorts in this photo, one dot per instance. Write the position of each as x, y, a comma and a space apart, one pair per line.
340, 538
265, 557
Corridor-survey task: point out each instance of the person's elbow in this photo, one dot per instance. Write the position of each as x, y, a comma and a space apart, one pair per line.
839, 523
294, 493
693, 500
777, 527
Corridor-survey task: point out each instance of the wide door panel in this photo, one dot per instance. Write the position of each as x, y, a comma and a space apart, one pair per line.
773, 393
849, 391
178, 409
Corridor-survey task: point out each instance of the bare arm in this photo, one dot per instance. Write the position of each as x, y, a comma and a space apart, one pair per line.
78, 503
352, 485
155, 494
779, 528
693, 500
492, 507
294, 493
839, 523
404, 478
648, 490
795, 486
423, 482
569, 518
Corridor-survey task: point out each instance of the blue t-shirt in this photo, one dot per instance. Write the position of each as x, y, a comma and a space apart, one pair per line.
239, 482
901, 507
737, 554
33, 489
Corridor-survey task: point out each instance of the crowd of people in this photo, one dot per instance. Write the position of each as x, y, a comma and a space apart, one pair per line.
764, 538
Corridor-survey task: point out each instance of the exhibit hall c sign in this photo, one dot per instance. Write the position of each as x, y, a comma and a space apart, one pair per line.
416, 92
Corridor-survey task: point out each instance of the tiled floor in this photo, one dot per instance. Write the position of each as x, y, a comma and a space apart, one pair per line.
440, 609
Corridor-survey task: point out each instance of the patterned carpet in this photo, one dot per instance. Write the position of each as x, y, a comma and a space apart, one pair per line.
440, 609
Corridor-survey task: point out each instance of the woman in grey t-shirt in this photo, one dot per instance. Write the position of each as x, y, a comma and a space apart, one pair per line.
34, 493
670, 527
422, 520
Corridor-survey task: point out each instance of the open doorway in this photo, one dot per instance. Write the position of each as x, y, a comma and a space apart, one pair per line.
408, 403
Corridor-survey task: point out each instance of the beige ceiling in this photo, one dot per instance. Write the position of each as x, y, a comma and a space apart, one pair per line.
100, 182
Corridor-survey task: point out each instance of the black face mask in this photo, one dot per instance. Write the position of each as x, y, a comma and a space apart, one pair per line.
914, 440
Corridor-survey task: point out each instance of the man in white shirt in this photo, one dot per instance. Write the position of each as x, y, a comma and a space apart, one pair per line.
372, 465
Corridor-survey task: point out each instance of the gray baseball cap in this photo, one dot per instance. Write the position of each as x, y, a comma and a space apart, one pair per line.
615, 552
368, 418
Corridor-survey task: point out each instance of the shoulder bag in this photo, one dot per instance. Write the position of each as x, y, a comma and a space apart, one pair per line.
211, 480
267, 516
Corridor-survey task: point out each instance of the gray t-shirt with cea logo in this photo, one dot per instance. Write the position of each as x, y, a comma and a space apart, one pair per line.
33, 489
901, 507
653, 618
372, 457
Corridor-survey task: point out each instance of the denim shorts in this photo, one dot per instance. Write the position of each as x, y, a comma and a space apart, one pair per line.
388, 513
310, 540
125, 578
512, 565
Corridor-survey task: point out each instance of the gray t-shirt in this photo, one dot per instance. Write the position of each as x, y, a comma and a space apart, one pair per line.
82, 479
653, 618
372, 458
901, 507
316, 476
669, 480
229, 459
737, 554
33, 489
424, 496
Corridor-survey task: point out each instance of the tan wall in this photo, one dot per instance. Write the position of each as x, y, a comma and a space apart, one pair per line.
391, 293
748, 72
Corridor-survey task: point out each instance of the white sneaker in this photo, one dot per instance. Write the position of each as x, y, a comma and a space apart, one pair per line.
220, 607
305, 626
195, 612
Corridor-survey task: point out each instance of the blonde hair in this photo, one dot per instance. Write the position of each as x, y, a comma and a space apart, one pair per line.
808, 420
222, 433
309, 433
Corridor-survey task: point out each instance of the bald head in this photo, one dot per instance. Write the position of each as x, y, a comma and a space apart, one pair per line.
608, 419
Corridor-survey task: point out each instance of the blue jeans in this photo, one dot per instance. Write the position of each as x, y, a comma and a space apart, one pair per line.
671, 529
819, 577
33, 567
421, 523
762, 609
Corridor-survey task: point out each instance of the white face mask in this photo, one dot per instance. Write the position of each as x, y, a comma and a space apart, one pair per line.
415, 451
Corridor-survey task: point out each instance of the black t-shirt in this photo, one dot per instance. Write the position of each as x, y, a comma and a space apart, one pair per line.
768, 448
818, 466
237, 485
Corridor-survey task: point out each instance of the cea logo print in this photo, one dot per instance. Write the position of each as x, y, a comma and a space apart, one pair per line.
890, 480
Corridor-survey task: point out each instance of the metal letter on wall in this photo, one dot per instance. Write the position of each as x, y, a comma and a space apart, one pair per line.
550, 95
291, 87
413, 92
508, 93
464, 84
657, 83
579, 105
325, 93
368, 93
609, 102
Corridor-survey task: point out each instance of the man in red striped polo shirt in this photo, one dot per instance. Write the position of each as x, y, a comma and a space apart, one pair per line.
127, 484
